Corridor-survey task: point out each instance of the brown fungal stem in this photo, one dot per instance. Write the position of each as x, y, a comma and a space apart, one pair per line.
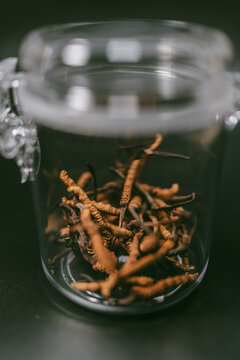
119, 231
140, 280
146, 260
181, 203
178, 265
107, 259
128, 184
134, 171
64, 232
154, 223
83, 179
137, 185
84, 199
181, 249
86, 286
136, 202
107, 208
180, 198
140, 222
167, 154
109, 284
122, 215
164, 194
149, 243
162, 285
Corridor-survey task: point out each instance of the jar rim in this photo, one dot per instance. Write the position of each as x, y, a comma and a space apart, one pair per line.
36, 48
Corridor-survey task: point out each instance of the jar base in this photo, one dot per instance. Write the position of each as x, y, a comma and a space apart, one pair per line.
65, 273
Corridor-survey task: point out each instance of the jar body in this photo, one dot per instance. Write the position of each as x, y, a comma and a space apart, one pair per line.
103, 123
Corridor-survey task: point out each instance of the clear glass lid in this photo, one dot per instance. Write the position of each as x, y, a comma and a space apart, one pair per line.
106, 76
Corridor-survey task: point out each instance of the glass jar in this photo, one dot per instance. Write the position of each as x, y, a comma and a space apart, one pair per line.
128, 117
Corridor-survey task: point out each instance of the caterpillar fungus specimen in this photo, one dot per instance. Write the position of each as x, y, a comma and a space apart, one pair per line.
147, 224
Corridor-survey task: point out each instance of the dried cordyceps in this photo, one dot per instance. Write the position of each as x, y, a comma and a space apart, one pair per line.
164, 194
104, 256
84, 199
119, 231
107, 208
149, 243
144, 224
162, 285
134, 172
83, 179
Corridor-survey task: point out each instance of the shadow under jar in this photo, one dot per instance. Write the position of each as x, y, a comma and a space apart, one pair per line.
102, 95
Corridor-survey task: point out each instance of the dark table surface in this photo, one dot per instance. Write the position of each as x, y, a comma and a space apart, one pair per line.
38, 323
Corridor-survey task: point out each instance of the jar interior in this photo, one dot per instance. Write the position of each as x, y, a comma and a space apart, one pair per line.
194, 174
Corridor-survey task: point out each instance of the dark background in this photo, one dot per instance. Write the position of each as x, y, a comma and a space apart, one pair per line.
38, 323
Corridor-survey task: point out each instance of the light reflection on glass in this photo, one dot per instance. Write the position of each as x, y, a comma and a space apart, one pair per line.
123, 104
77, 53
124, 50
79, 98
